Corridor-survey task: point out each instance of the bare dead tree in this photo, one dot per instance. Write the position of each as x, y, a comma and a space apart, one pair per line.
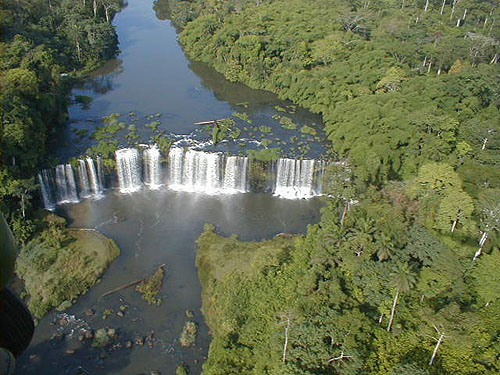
439, 340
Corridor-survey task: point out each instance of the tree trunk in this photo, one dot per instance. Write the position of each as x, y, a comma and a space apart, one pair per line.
425, 61
441, 337
393, 310
285, 345
484, 143
94, 6
344, 214
439, 71
482, 241
442, 7
79, 52
22, 206
106, 10
454, 225
426, 6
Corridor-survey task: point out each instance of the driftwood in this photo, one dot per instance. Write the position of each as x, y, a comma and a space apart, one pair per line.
128, 285
210, 122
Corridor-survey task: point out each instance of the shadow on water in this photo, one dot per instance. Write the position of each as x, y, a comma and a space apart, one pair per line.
56, 356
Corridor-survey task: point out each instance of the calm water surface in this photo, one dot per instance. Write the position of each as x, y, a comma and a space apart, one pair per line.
152, 75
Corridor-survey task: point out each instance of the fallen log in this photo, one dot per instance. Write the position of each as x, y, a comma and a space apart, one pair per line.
128, 285
210, 121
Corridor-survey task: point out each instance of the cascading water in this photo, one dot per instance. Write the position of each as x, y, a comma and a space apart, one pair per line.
235, 175
152, 167
66, 185
47, 186
195, 171
128, 169
100, 173
188, 170
83, 177
95, 183
295, 179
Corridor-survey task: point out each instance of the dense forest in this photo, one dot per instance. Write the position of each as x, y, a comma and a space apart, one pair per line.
45, 46
399, 277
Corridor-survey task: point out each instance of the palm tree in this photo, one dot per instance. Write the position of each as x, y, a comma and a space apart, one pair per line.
402, 279
386, 248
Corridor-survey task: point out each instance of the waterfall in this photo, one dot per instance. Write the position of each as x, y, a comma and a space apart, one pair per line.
95, 182
66, 185
47, 186
128, 169
235, 175
152, 167
83, 177
295, 179
195, 171
100, 173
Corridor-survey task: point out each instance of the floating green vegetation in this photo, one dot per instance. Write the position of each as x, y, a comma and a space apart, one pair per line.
265, 129
132, 114
81, 132
84, 101
308, 130
287, 123
280, 109
267, 154
105, 149
243, 104
62, 263
154, 125
243, 116
132, 133
235, 134
221, 128
266, 142
110, 128
151, 287
188, 335
163, 142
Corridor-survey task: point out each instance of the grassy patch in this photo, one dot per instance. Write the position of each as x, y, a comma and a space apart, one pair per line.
61, 264
220, 258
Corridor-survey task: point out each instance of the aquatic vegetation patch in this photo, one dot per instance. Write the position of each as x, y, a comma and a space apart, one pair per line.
84, 101
243, 116
188, 335
151, 287
287, 123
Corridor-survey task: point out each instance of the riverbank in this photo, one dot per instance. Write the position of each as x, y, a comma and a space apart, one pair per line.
244, 290
62, 263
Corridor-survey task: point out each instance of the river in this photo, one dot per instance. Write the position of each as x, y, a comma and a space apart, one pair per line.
153, 227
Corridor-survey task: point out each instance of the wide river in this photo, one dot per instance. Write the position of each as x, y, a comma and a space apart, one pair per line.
152, 75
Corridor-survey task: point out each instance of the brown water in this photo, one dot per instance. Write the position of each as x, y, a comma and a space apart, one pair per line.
152, 75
